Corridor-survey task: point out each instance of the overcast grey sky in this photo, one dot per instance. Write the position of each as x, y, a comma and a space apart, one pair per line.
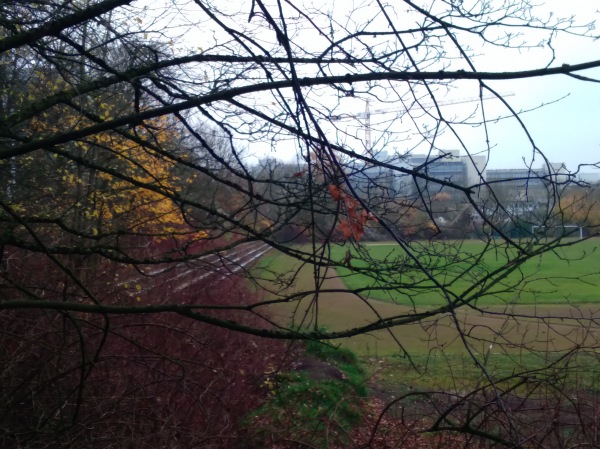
566, 130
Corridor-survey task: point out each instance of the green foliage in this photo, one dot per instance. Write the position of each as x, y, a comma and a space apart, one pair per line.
308, 406
344, 359
322, 400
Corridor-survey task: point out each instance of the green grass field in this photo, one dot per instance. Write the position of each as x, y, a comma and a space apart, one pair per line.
560, 289
569, 274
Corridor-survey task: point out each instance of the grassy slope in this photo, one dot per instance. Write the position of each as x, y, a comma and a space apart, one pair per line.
310, 408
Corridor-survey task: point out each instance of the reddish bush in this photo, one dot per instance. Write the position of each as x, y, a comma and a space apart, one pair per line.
83, 380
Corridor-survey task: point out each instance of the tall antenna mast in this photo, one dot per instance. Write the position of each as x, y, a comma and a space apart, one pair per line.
367, 114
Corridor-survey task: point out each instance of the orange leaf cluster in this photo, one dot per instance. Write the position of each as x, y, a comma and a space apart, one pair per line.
357, 218
336, 193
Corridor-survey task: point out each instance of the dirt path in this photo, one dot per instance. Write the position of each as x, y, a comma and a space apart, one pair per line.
556, 327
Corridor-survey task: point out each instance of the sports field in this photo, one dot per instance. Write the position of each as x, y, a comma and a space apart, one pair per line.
549, 303
568, 274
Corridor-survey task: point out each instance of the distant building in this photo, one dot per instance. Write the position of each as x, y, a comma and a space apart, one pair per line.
377, 182
447, 166
526, 184
525, 187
